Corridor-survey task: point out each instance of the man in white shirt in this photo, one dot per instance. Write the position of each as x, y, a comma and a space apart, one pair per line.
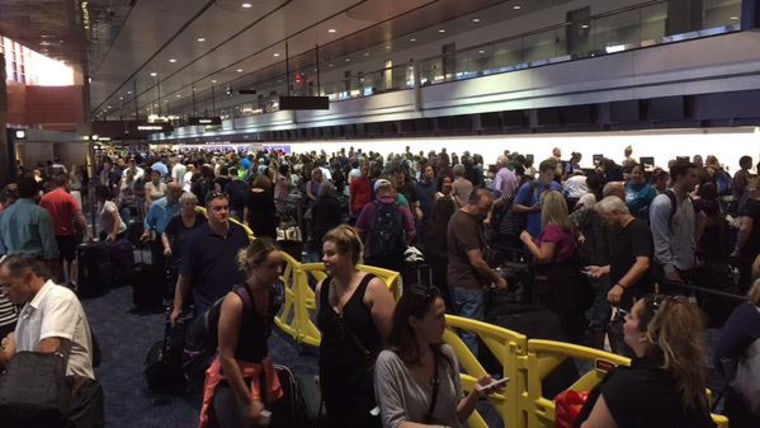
178, 172
52, 320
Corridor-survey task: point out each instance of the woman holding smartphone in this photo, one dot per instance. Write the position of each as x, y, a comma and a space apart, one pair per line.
417, 380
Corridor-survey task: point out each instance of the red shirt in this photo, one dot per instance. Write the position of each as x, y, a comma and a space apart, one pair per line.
361, 193
62, 208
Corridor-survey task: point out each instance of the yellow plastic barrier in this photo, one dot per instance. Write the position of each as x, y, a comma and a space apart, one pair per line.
506, 346
296, 317
543, 356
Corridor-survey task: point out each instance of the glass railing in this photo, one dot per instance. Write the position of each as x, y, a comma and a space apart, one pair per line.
639, 26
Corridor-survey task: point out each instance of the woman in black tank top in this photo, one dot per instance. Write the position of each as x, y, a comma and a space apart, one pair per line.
245, 323
354, 315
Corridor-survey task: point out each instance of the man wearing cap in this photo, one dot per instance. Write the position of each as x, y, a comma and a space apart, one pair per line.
385, 228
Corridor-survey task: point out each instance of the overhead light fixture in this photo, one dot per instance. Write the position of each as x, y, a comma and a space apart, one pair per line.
179, 96
246, 5
734, 18
172, 60
121, 98
388, 48
476, 20
517, 7
332, 65
276, 54
584, 26
348, 59
412, 40
129, 92
213, 81
332, 30
442, 30
239, 70
153, 74
201, 39
481, 52
366, 53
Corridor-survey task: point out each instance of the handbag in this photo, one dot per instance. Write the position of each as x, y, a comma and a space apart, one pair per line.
34, 392
288, 230
745, 383
569, 405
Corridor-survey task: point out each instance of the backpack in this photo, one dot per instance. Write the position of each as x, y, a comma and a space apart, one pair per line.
724, 183
387, 231
673, 206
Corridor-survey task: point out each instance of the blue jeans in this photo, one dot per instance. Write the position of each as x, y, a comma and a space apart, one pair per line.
468, 303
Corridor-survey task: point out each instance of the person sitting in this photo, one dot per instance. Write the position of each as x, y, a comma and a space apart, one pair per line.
738, 337
241, 382
354, 311
417, 380
666, 382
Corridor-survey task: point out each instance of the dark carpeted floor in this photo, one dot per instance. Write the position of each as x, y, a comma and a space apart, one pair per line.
125, 339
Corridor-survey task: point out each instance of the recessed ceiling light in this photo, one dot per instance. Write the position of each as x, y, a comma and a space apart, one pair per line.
121, 98
153, 74
366, 53
246, 5
481, 52
412, 40
201, 39
276, 54
584, 26
239, 70
517, 7
442, 30
332, 30
476, 20
179, 96
129, 92
172, 60
332, 65
388, 48
734, 18
348, 59
213, 81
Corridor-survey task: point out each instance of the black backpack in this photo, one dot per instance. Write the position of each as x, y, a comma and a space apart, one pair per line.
387, 231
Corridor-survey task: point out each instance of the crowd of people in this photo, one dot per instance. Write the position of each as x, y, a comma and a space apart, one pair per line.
619, 237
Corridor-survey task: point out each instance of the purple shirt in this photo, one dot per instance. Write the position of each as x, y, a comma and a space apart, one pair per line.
367, 217
564, 241
505, 183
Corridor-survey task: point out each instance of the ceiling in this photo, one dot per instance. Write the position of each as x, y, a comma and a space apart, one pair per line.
151, 48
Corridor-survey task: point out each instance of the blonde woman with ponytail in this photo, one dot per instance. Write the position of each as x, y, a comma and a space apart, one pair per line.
666, 383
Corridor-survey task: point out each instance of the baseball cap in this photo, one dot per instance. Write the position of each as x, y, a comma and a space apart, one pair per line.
381, 183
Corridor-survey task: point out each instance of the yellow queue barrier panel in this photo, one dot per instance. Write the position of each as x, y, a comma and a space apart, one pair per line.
543, 356
296, 317
506, 346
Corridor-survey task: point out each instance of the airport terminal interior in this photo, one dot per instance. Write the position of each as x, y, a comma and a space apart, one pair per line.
379, 213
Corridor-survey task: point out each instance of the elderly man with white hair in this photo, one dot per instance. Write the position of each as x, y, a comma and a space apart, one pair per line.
630, 260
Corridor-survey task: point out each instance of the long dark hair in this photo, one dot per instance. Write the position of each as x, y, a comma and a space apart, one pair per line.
415, 302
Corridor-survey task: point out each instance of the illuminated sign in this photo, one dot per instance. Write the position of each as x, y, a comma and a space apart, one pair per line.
205, 121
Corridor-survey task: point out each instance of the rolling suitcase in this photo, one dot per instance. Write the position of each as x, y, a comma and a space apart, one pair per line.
122, 262
94, 278
290, 411
164, 373
148, 282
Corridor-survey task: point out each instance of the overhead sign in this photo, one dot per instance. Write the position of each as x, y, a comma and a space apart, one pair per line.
304, 103
205, 121
154, 127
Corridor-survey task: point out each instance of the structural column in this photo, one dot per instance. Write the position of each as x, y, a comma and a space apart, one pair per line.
7, 164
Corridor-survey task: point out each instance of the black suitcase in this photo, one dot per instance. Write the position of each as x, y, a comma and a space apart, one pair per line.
94, 278
148, 282
164, 373
291, 410
536, 322
122, 262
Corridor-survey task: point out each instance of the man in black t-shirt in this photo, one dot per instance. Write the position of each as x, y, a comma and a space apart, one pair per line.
748, 239
631, 254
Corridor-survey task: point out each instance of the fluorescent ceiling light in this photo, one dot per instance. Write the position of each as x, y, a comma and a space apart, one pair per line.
517, 7
331, 30
201, 39
239, 70
246, 5
153, 74
276, 54
476, 20
172, 60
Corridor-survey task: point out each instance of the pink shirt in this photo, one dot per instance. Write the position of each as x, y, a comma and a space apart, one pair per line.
564, 241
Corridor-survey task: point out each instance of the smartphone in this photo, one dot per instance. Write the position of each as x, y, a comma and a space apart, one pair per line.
500, 382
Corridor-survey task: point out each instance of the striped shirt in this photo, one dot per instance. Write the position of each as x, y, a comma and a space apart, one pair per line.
8, 313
